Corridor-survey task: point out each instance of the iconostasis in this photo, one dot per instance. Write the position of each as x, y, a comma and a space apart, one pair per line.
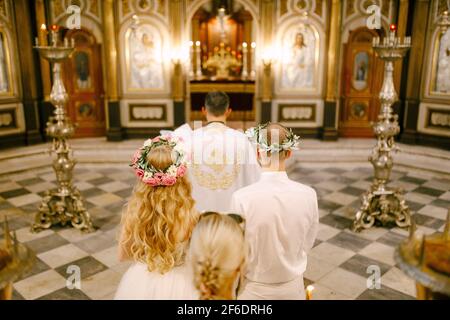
140, 66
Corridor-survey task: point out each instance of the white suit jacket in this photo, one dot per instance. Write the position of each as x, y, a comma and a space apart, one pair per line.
281, 224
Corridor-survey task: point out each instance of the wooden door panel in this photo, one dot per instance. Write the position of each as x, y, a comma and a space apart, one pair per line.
85, 85
360, 85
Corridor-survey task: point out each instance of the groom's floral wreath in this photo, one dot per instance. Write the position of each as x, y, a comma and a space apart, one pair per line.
152, 176
259, 133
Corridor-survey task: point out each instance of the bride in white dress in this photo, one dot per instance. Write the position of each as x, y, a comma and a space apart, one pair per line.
157, 226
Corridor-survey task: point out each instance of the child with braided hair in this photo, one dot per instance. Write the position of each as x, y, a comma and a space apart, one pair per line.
217, 255
157, 225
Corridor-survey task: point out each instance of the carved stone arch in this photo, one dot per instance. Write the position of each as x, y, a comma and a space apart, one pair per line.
196, 4
87, 23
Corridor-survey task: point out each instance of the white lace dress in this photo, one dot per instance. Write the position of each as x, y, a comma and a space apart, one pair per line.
140, 284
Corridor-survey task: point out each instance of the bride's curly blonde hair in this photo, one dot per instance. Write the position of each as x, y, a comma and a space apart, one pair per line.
158, 219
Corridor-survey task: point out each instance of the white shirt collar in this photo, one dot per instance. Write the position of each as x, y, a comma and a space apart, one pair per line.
270, 175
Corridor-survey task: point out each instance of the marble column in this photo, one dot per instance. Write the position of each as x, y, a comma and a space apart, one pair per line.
114, 131
176, 14
267, 17
29, 75
415, 70
329, 131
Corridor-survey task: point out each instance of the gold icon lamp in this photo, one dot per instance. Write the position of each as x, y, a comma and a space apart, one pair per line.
15, 260
427, 260
381, 205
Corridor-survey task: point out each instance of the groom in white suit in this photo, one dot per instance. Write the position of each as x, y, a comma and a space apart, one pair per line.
281, 221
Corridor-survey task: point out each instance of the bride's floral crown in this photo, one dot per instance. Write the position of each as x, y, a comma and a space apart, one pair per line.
259, 133
151, 176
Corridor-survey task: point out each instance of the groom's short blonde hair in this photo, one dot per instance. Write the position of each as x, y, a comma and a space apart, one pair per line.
277, 133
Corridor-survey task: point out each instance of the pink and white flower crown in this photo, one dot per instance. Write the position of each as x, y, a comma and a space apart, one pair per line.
152, 176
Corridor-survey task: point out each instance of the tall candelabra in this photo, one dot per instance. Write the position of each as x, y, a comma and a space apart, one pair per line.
381, 204
63, 205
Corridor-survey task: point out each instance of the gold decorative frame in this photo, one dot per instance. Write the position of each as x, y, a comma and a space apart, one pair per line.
425, 111
368, 80
18, 117
6, 48
78, 104
163, 106
317, 79
283, 106
316, 121
434, 65
129, 122
126, 67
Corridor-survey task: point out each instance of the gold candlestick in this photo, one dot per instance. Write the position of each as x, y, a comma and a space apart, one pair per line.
63, 205
381, 204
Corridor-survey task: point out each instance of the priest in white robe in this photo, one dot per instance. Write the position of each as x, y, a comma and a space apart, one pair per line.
281, 221
222, 159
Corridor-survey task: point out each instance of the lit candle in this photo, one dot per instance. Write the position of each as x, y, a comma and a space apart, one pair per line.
54, 33
191, 58
244, 60
253, 60
393, 27
198, 72
309, 290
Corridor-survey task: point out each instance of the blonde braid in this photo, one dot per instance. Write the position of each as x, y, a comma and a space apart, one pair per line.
217, 254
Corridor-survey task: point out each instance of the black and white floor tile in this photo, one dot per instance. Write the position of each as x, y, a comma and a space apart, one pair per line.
337, 265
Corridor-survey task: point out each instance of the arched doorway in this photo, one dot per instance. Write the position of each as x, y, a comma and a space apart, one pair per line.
223, 38
84, 83
361, 82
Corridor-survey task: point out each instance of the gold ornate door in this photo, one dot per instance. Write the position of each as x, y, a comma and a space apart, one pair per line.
84, 82
361, 83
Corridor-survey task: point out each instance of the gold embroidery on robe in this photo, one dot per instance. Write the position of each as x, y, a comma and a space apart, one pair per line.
222, 168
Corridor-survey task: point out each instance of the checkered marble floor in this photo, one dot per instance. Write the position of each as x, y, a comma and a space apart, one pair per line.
337, 264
